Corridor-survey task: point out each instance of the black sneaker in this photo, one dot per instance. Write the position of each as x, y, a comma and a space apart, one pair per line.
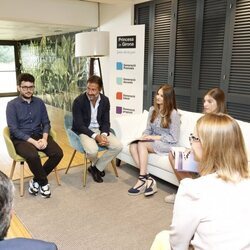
33, 187
45, 191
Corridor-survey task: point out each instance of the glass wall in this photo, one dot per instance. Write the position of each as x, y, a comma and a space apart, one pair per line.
60, 76
7, 69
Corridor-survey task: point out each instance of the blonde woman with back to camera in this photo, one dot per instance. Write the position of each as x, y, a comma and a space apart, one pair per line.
213, 211
213, 102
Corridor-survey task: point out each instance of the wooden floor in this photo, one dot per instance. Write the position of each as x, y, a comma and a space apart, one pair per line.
56, 115
17, 229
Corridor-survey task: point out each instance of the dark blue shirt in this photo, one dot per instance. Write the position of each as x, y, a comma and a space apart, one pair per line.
25, 119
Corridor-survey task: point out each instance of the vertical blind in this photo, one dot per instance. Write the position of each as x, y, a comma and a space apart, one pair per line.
205, 44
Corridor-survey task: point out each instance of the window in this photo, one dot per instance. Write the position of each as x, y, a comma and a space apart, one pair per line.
7, 69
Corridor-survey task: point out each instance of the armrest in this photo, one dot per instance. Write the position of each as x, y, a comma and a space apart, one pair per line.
74, 140
9, 144
112, 131
120, 128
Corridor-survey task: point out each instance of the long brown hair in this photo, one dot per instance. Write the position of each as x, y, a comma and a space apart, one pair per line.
169, 103
218, 95
223, 147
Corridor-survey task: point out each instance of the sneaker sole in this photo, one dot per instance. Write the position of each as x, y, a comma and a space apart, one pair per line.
32, 192
45, 196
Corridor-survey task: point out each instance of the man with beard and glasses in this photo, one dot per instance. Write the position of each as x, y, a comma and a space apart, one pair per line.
29, 127
91, 122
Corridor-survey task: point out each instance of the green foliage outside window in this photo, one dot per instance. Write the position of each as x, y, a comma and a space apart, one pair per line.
6, 54
60, 76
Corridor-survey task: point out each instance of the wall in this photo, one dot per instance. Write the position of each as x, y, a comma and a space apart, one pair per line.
113, 17
50, 12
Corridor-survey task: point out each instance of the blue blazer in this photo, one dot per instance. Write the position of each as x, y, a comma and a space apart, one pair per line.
26, 244
81, 112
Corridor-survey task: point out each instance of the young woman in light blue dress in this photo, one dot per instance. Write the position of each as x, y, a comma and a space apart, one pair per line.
162, 132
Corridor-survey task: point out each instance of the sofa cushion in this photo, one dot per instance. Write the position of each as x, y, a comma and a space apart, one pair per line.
160, 161
129, 127
155, 160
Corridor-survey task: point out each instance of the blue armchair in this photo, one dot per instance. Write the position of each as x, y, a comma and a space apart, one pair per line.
75, 143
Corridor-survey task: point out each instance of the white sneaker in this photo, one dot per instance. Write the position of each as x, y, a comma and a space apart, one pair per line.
170, 198
33, 187
45, 191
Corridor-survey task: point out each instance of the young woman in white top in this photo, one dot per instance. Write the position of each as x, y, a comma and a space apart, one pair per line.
213, 211
213, 102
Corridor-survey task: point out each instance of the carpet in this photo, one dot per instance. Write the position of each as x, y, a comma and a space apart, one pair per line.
100, 216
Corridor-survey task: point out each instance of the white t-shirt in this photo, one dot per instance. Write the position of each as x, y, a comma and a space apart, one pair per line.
211, 214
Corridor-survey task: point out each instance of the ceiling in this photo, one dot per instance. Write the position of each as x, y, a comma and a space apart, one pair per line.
107, 1
13, 30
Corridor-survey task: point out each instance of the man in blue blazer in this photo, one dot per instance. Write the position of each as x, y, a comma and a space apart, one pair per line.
91, 121
26, 244
6, 203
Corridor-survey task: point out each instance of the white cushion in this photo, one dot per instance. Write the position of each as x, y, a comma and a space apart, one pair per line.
129, 127
188, 122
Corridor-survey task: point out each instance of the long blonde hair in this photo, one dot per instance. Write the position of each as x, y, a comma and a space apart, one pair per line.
223, 147
169, 103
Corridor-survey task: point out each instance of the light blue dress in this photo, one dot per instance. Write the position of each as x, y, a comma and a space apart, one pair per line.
169, 136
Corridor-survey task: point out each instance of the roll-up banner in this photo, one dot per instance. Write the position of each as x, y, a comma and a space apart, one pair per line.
126, 70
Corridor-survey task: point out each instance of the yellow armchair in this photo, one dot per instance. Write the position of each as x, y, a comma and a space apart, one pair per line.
17, 158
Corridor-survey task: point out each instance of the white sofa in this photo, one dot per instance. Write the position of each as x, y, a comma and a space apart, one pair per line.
129, 127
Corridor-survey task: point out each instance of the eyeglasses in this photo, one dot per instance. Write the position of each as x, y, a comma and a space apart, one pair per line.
25, 88
193, 138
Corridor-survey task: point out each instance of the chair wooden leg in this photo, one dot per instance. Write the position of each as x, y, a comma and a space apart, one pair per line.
71, 159
57, 177
12, 169
21, 179
114, 167
85, 171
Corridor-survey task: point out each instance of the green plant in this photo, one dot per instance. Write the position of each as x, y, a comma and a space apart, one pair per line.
60, 77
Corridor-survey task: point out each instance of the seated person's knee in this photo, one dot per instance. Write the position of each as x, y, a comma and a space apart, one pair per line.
60, 153
92, 153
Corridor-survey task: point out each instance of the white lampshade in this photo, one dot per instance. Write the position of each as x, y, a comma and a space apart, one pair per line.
93, 44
